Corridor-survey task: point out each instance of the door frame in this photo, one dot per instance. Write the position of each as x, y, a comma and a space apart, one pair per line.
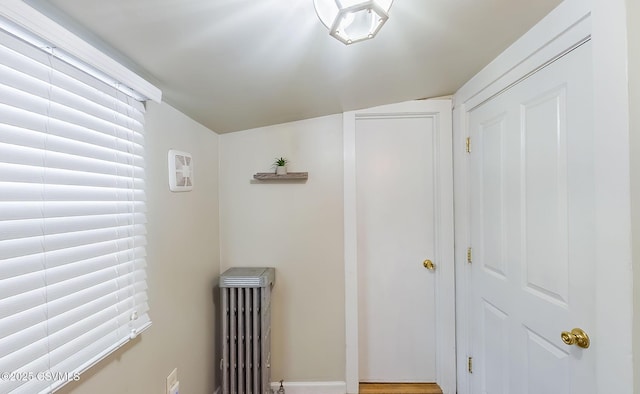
443, 213
571, 23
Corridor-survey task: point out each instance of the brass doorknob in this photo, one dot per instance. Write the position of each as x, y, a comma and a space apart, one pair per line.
428, 264
577, 336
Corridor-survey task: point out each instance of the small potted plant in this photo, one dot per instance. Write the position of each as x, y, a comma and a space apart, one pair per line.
281, 166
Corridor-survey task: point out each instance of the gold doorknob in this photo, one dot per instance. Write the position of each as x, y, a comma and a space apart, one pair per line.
577, 336
428, 264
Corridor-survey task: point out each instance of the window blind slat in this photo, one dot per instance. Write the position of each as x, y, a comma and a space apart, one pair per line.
13, 210
16, 248
19, 322
64, 312
89, 328
22, 173
12, 155
65, 340
31, 248
16, 229
94, 111
34, 244
33, 142
21, 109
20, 339
70, 240
86, 252
21, 136
63, 270
21, 265
22, 292
72, 216
14, 116
14, 191
14, 78
19, 101
100, 338
110, 278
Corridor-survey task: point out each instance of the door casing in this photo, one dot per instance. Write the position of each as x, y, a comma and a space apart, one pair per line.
444, 281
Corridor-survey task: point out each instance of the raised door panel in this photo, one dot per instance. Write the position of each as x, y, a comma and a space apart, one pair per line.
544, 196
495, 325
492, 197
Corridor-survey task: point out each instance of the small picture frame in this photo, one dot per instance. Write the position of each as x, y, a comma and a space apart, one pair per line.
180, 171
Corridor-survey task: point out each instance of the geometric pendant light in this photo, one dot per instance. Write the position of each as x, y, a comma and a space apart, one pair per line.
352, 21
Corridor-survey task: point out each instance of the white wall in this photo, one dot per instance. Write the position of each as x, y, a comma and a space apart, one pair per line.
183, 265
296, 228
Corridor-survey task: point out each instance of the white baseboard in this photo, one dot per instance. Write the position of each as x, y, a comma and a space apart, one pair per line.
306, 387
311, 387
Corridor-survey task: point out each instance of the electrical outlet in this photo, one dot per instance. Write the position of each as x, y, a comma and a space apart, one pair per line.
172, 382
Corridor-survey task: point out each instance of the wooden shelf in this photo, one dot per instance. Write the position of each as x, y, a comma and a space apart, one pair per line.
270, 176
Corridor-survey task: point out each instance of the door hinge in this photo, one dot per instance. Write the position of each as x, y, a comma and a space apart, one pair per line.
468, 145
469, 259
470, 364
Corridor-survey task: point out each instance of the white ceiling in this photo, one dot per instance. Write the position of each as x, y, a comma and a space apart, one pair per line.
238, 64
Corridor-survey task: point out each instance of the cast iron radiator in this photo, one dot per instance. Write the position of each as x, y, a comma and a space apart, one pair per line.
246, 330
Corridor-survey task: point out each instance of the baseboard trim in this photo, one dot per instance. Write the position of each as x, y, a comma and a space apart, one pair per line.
311, 387
306, 387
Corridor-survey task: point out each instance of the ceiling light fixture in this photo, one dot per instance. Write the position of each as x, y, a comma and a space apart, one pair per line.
353, 20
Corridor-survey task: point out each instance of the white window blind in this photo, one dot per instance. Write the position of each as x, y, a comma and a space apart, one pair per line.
72, 219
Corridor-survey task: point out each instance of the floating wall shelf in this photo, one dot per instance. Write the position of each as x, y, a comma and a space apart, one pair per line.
270, 176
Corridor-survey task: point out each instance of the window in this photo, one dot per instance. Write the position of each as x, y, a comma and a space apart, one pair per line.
72, 218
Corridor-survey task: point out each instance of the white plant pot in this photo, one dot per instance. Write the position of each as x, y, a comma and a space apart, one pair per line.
281, 170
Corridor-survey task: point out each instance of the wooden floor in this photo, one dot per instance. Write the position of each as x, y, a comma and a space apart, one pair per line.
399, 388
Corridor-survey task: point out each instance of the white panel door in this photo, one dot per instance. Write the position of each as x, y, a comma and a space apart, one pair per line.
395, 172
532, 232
